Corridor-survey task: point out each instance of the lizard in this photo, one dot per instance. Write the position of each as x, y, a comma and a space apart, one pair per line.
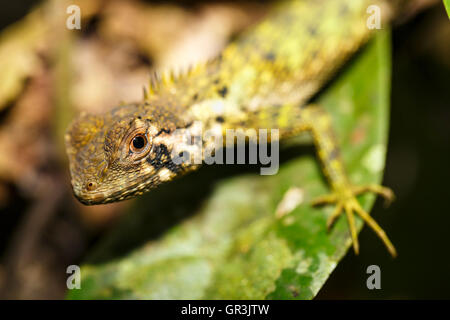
265, 78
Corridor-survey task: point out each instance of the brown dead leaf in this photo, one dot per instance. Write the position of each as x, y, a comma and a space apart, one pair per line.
19, 45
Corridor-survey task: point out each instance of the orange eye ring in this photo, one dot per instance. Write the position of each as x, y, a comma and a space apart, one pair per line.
138, 143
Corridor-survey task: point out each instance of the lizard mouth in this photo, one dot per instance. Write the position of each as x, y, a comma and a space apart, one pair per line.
90, 193
90, 197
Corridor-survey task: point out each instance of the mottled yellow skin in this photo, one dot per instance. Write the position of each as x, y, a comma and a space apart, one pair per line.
264, 79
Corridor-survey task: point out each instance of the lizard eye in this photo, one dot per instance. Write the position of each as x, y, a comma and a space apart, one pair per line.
138, 143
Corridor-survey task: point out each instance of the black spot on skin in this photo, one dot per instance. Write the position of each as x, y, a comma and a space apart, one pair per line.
161, 131
276, 113
343, 10
181, 158
220, 119
195, 97
270, 56
139, 117
163, 159
334, 154
312, 30
184, 156
216, 81
223, 92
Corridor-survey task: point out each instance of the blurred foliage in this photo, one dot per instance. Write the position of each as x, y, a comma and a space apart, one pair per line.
447, 6
233, 245
17, 56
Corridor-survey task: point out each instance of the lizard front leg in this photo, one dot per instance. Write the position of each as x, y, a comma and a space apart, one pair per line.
316, 120
292, 120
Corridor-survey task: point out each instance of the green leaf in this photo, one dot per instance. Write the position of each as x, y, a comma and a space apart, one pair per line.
214, 234
447, 7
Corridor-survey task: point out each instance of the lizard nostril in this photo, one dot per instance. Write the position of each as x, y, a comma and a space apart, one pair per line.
91, 186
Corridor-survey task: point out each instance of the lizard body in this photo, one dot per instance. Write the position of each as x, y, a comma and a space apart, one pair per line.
264, 79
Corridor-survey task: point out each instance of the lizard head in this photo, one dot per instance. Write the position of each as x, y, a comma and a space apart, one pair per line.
122, 153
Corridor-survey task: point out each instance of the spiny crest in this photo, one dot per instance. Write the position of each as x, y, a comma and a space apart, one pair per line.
169, 77
157, 81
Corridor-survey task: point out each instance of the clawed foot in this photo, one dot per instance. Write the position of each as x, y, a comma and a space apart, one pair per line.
345, 201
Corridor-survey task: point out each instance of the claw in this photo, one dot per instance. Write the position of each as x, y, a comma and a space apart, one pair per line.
333, 218
378, 230
351, 223
384, 192
347, 202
